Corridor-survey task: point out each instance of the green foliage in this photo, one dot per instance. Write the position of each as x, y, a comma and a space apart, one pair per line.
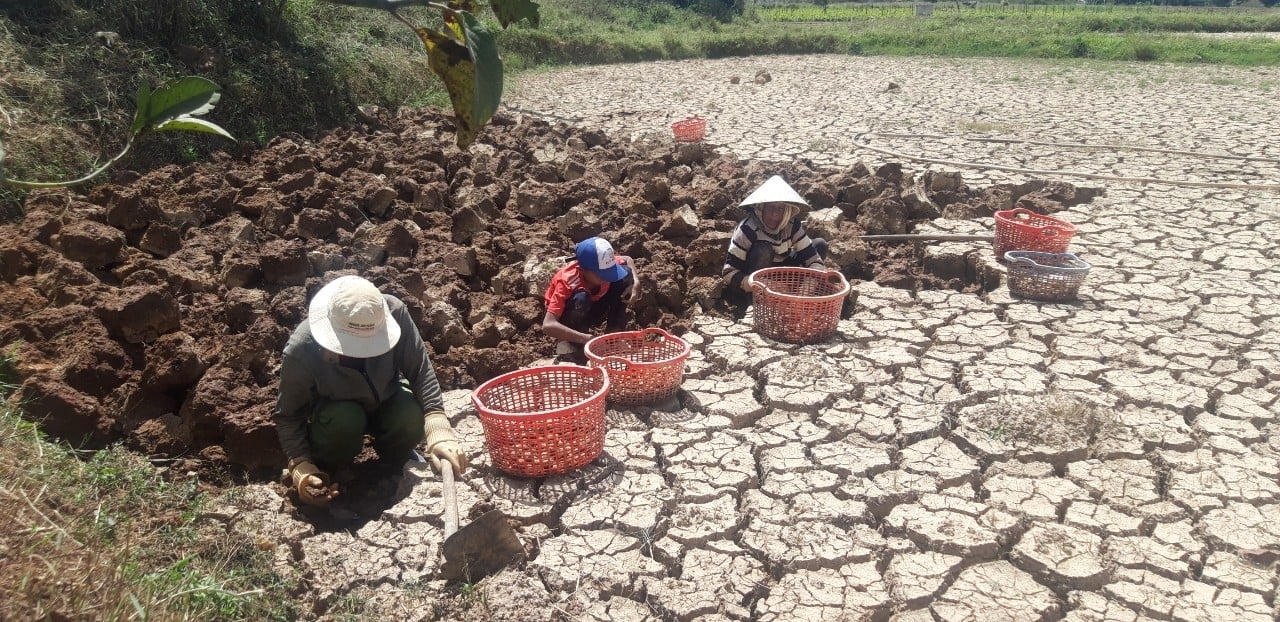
463, 53
305, 65
175, 107
723, 10
1071, 17
300, 66
8, 371
1145, 52
104, 536
172, 107
510, 12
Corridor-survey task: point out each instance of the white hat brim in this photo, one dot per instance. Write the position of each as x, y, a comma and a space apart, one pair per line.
775, 190
344, 343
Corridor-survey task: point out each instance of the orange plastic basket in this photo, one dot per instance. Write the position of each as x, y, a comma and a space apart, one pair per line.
544, 420
644, 366
797, 305
689, 130
1024, 230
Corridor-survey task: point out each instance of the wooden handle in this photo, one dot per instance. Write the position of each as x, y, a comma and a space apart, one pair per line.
450, 499
929, 237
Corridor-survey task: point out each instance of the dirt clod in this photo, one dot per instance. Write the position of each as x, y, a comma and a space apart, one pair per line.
154, 308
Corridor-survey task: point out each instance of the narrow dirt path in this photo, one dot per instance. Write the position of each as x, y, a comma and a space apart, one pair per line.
911, 468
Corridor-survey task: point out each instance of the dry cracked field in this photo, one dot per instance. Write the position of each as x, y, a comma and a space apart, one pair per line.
947, 456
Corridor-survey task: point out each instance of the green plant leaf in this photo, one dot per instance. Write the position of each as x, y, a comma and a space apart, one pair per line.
189, 96
512, 11
193, 125
142, 105
484, 52
470, 69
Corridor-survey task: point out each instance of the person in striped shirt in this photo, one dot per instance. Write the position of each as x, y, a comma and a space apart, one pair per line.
771, 235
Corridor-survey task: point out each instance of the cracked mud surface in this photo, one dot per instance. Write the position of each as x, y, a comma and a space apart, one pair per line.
948, 455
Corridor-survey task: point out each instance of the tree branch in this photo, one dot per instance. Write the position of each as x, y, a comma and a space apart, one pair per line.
32, 185
388, 5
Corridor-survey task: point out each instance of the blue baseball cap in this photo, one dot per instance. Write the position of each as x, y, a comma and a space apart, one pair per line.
596, 255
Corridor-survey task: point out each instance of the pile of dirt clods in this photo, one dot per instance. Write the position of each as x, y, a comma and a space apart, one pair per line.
154, 308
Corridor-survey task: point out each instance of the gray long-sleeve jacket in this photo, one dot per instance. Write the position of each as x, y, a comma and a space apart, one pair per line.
308, 372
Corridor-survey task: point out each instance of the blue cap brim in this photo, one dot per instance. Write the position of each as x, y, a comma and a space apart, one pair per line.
612, 275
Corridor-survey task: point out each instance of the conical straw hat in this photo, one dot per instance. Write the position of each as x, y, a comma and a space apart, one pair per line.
775, 190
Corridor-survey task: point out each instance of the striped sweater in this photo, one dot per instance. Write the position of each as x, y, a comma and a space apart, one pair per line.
791, 245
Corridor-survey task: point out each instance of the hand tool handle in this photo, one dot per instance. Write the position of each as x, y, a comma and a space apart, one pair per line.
450, 499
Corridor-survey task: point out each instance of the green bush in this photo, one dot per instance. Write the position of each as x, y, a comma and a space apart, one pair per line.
1145, 52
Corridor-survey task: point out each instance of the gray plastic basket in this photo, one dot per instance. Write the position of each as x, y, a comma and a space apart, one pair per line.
1045, 276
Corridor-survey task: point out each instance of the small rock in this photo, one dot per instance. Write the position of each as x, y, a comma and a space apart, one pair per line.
161, 240
683, 223
535, 201
538, 272
381, 199
461, 260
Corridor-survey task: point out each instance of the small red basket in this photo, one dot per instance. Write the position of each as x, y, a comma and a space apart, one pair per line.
1021, 229
544, 420
797, 305
644, 366
689, 130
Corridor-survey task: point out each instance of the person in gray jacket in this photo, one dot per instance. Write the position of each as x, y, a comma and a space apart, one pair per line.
357, 365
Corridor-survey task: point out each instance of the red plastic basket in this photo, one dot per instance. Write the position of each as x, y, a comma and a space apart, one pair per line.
689, 130
1021, 229
797, 305
644, 366
544, 420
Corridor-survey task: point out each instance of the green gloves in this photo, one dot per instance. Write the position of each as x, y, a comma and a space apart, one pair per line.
311, 483
442, 443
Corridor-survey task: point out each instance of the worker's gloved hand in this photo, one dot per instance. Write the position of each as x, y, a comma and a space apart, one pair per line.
312, 484
442, 443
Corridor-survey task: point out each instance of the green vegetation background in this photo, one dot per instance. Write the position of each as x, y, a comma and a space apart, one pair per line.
305, 65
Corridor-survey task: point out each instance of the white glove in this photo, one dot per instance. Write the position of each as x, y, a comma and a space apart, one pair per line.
311, 484
442, 443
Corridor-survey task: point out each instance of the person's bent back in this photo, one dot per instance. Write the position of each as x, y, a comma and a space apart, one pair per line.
593, 289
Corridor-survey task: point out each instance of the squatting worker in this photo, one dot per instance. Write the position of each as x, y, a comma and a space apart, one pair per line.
771, 235
341, 378
593, 289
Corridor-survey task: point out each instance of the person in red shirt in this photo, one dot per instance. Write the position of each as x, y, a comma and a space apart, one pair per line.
594, 289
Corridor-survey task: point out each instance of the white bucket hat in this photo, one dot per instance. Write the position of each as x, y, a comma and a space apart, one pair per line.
774, 190
351, 317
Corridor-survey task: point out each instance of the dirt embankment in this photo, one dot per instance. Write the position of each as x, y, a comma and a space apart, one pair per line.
154, 308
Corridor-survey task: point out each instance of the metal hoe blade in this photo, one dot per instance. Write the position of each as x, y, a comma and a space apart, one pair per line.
481, 548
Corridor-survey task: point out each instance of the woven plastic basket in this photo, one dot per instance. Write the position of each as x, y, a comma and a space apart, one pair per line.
544, 420
1021, 229
797, 305
1045, 276
644, 366
689, 130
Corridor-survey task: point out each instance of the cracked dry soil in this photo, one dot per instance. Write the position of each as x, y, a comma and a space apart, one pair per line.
153, 309
887, 474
